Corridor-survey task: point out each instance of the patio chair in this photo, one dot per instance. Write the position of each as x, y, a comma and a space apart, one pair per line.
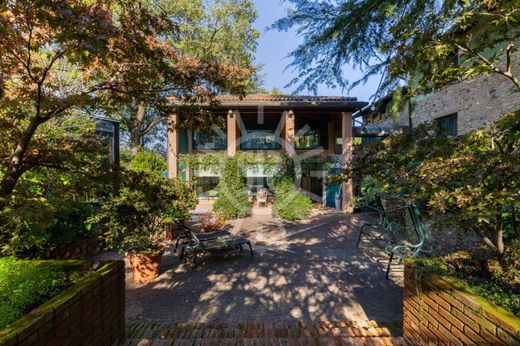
408, 242
261, 197
216, 245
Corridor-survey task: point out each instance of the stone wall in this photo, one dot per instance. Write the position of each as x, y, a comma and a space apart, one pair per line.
440, 311
478, 102
91, 312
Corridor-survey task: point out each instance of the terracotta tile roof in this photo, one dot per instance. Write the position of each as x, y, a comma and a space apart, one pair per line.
283, 98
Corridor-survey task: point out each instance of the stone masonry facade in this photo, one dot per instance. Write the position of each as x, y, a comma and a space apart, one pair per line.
436, 313
91, 313
478, 102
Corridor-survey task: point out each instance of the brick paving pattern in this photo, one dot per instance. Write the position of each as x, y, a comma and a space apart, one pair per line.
263, 333
308, 271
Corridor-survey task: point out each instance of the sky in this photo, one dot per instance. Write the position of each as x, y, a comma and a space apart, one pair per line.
273, 47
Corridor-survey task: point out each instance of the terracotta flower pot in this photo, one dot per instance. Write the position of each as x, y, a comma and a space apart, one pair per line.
145, 267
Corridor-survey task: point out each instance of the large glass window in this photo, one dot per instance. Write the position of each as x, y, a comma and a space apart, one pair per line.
311, 139
206, 186
260, 140
261, 131
255, 183
209, 141
311, 131
447, 126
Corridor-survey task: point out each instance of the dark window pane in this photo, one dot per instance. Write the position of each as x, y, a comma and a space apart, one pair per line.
208, 141
312, 139
260, 140
447, 126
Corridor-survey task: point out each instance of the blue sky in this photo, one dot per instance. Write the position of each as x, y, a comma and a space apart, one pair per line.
273, 47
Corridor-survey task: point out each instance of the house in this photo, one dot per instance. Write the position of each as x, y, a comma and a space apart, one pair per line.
298, 126
458, 108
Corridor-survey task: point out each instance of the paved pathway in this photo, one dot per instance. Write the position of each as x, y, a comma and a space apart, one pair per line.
308, 271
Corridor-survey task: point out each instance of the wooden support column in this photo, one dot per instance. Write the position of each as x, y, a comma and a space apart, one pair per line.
189, 173
173, 148
347, 150
331, 138
289, 132
232, 132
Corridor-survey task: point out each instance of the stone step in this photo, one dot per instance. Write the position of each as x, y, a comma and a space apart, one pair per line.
265, 333
344, 341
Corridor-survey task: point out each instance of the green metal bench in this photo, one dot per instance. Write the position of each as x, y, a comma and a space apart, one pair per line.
402, 234
411, 242
392, 210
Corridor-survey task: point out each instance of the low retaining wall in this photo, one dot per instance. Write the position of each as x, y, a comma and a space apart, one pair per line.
441, 311
91, 312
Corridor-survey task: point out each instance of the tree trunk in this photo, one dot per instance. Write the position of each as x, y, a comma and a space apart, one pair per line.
15, 169
499, 239
136, 136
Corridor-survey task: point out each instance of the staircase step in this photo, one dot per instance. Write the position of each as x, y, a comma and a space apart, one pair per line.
347, 341
265, 333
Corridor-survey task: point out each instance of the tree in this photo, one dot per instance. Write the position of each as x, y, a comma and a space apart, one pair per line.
471, 181
63, 58
403, 40
214, 31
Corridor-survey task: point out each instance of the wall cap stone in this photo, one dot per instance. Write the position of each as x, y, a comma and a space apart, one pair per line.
462, 291
45, 312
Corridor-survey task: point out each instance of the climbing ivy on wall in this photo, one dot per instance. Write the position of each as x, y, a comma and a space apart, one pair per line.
215, 161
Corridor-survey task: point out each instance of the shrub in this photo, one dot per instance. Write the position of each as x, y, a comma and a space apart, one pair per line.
210, 223
35, 227
149, 162
24, 226
25, 285
145, 203
471, 181
70, 223
232, 199
290, 204
46, 209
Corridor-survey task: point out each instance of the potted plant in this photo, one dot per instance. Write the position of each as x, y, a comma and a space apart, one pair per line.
210, 222
132, 219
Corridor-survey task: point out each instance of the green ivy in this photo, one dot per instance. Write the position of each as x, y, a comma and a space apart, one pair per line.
232, 200
214, 161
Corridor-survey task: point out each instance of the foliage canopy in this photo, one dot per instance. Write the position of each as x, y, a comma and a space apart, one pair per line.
414, 40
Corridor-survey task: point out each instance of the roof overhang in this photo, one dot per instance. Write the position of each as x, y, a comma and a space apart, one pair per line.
353, 105
281, 102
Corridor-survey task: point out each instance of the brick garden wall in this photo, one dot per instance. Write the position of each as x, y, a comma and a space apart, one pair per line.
89, 313
435, 313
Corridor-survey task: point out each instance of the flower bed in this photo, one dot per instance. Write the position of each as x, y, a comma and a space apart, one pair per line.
91, 310
439, 309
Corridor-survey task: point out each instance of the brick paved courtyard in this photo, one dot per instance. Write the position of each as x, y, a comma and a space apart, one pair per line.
301, 271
